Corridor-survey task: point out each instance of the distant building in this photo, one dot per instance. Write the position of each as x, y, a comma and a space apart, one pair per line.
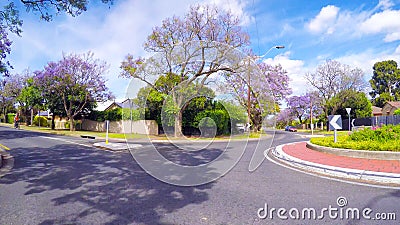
113, 105
389, 108
376, 111
126, 104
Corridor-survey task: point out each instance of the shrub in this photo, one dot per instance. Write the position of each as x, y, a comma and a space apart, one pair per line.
113, 115
101, 116
386, 138
136, 115
42, 119
78, 125
219, 116
10, 117
382, 134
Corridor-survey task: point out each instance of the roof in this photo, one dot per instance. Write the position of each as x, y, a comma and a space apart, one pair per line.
112, 104
394, 104
376, 110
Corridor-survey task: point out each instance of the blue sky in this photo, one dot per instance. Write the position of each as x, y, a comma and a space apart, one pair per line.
356, 33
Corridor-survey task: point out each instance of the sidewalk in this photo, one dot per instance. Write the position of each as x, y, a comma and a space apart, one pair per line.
359, 169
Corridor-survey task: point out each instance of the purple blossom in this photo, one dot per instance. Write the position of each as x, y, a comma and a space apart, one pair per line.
5, 49
77, 80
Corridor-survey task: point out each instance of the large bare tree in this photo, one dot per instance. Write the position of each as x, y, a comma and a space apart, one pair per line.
194, 47
332, 78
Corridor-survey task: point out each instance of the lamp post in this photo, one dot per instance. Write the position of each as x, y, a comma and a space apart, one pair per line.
130, 110
249, 86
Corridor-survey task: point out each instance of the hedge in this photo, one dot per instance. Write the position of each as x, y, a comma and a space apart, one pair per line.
42, 119
10, 117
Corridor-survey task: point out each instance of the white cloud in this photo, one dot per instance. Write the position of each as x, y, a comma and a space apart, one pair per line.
347, 24
387, 22
324, 22
295, 69
366, 59
385, 4
395, 36
236, 7
397, 51
110, 33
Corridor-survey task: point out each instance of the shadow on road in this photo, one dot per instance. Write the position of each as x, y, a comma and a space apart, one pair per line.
106, 183
15, 134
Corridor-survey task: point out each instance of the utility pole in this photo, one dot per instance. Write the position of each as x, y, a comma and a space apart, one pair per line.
248, 82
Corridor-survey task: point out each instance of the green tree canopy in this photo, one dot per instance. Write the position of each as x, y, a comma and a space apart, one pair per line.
385, 83
357, 101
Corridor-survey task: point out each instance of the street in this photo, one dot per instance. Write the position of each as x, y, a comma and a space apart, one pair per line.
57, 181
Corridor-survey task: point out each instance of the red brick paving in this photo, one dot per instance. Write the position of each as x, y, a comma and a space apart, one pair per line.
300, 151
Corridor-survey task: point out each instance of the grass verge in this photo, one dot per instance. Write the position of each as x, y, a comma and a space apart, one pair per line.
102, 135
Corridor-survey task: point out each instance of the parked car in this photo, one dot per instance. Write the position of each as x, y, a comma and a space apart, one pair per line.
290, 129
240, 128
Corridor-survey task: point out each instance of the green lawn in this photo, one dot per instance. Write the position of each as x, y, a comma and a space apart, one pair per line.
102, 135
78, 133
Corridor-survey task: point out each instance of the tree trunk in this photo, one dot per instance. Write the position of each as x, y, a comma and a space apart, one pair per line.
72, 124
53, 123
300, 120
71, 121
178, 124
256, 119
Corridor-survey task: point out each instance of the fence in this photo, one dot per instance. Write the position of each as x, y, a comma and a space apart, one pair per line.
385, 120
371, 121
126, 126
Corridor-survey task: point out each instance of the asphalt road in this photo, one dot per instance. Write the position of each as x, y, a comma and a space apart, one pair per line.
56, 181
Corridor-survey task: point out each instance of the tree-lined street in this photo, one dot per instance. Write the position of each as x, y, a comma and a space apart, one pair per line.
206, 109
57, 182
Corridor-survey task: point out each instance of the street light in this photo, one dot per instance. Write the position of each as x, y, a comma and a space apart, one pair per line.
276, 46
248, 74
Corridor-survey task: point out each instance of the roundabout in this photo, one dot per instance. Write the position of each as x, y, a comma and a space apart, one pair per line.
345, 165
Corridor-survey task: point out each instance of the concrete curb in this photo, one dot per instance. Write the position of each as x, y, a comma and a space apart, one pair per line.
338, 172
383, 155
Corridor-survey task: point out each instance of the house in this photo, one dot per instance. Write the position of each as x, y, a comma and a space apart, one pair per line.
126, 104
389, 108
114, 105
376, 111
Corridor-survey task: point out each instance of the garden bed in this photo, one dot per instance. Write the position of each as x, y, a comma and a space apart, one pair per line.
386, 138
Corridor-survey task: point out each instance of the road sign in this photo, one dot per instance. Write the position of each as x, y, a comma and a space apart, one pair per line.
348, 110
352, 122
335, 122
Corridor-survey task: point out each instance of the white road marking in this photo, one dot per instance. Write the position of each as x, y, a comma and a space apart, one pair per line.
329, 178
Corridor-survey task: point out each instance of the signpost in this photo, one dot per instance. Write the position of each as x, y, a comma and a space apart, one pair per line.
348, 112
335, 123
107, 126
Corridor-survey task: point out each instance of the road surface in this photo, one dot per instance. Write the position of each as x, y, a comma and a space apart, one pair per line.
56, 181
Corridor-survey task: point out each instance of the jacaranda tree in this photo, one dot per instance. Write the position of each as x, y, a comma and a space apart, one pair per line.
268, 86
77, 80
194, 48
